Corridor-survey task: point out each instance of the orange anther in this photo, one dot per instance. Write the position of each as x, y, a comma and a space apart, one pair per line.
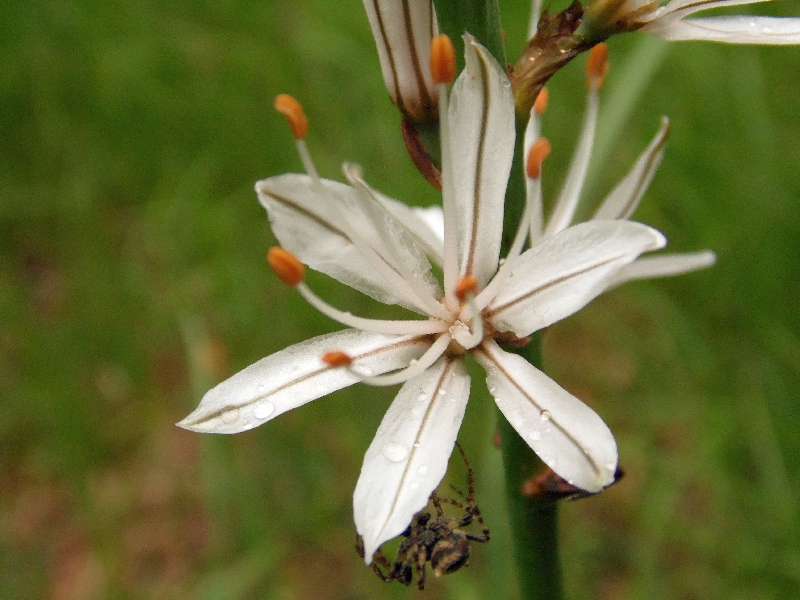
540, 105
467, 285
286, 266
443, 59
336, 358
293, 111
597, 66
539, 151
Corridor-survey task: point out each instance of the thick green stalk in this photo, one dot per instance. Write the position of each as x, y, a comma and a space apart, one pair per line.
534, 523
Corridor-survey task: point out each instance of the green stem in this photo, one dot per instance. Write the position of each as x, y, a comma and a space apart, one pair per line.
481, 18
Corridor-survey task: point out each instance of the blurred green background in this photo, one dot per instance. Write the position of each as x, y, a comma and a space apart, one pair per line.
132, 279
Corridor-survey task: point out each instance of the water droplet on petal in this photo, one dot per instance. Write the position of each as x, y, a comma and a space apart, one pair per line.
545, 415
230, 416
395, 452
442, 391
261, 387
263, 409
423, 470
535, 435
413, 485
416, 444
766, 30
422, 397
417, 411
611, 466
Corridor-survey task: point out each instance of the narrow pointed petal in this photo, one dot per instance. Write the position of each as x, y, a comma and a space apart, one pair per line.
424, 224
317, 221
403, 30
481, 129
408, 457
297, 375
564, 209
688, 7
624, 199
738, 29
667, 265
564, 273
566, 434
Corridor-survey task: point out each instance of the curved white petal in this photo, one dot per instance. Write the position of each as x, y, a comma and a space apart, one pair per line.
623, 199
318, 223
564, 273
566, 434
296, 375
425, 224
688, 7
481, 134
666, 265
737, 29
564, 209
408, 457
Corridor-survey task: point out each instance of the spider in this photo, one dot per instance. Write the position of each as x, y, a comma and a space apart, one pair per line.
438, 540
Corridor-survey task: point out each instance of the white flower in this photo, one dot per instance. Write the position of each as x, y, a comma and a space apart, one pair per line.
379, 246
669, 22
620, 203
403, 31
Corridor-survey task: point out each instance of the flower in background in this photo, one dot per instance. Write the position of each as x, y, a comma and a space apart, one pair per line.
669, 21
403, 30
381, 247
620, 203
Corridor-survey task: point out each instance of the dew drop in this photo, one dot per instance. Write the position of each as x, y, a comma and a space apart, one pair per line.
611, 466
535, 435
416, 444
413, 485
545, 415
230, 416
261, 387
442, 391
395, 452
417, 411
423, 470
263, 409
422, 397
766, 30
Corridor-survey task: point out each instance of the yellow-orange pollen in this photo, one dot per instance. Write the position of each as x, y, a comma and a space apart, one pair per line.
597, 65
443, 60
539, 151
540, 105
337, 358
293, 111
286, 266
467, 285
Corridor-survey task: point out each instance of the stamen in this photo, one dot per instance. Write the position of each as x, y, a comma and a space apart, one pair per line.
597, 66
470, 314
286, 266
290, 108
443, 60
467, 285
540, 105
388, 327
539, 151
414, 368
337, 358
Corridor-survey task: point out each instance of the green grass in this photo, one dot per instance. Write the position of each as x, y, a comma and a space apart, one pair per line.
132, 278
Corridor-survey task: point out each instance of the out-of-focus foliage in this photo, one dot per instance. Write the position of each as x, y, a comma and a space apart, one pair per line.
132, 279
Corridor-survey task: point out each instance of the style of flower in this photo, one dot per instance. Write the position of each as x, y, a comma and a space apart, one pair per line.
403, 30
381, 247
669, 21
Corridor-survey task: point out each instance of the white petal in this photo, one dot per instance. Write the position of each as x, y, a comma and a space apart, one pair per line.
688, 7
403, 32
566, 434
408, 457
738, 29
309, 221
425, 224
666, 265
296, 375
481, 121
564, 273
564, 209
623, 199
533, 188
